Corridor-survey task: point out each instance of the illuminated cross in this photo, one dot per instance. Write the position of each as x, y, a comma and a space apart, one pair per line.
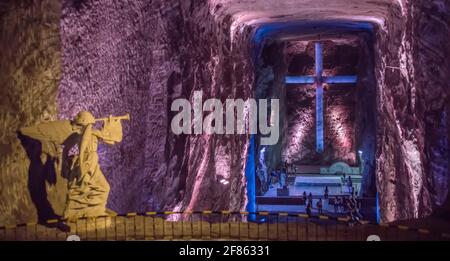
319, 80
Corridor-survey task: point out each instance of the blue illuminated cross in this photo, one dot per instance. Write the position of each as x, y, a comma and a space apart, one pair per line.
319, 80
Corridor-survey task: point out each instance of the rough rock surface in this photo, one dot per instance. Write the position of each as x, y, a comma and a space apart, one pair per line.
29, 76
339, 106
412, 173
138, 56
271, 68
412, 103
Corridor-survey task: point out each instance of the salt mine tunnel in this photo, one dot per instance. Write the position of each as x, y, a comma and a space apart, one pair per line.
389, 119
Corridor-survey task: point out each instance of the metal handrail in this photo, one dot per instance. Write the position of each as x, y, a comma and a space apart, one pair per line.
216, 225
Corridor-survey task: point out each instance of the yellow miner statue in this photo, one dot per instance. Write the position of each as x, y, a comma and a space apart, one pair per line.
88, 188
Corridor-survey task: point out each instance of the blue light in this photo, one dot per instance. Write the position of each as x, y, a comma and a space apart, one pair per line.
378, 210
319, 119
319, 60
300, 79
250, 174
341, 79
302, 28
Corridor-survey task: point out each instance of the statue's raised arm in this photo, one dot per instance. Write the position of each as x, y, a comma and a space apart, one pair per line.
112, 131
88, 188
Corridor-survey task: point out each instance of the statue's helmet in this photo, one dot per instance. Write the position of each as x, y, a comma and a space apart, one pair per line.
84, 118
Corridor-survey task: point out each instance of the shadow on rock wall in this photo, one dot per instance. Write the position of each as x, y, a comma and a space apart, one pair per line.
39, 173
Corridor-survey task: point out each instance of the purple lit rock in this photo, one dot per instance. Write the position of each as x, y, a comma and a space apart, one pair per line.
136, 56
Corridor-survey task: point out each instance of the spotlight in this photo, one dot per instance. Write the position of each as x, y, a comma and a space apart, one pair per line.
224, 181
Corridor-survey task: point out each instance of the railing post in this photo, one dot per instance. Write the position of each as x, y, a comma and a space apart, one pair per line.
287, 227
278, 228
86, 229
192, 223
173, 231
336, 225
145, 227
307, 228
31, 229
257, 225
201, 225
239, 226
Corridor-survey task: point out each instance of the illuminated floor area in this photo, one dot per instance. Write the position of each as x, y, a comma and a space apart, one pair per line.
297, 191
327, 209
155, 228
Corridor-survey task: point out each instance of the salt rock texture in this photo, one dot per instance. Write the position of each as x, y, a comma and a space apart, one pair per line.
339, 106
29, 75
412, 104
270, 73
349, 109
113, 57
137, 57
411, 43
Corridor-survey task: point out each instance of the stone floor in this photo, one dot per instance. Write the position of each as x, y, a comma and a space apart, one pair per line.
327, 209
297, 191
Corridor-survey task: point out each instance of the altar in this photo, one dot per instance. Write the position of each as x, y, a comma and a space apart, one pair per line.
314, 179
317, 180
310, 179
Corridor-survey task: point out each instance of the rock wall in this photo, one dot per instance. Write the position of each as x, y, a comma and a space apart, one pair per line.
339, 106
365, 114
118, 57
270, 73
112, 57
412, 103
29, 76
432, 27
137, 57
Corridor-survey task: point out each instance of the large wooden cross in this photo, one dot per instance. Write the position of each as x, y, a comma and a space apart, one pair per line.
319, 80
